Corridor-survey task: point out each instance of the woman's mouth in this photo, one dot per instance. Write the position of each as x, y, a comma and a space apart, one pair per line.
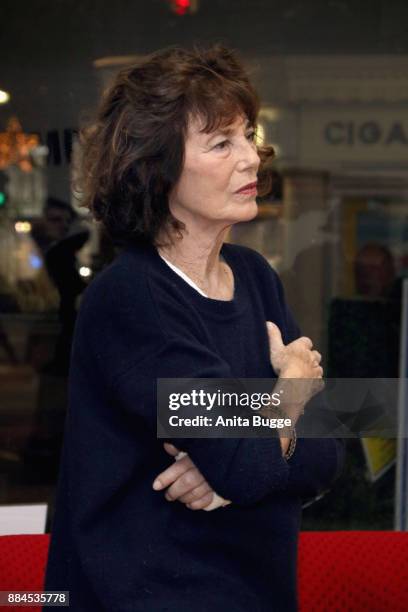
248, 190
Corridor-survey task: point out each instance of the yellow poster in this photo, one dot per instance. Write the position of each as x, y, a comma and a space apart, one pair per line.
380, 454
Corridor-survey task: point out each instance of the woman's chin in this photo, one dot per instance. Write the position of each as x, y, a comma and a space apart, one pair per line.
247, 211
240, 213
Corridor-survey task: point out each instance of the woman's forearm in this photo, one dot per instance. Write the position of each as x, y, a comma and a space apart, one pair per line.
284, 442
291, 408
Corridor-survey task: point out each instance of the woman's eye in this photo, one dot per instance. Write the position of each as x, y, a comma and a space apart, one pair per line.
224, 143
221, 145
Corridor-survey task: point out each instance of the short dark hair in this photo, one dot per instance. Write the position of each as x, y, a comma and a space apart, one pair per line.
133, 154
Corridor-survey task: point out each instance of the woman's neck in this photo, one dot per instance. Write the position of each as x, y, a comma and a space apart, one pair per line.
200, 260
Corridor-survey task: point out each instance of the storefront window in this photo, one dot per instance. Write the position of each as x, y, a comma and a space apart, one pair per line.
334, 225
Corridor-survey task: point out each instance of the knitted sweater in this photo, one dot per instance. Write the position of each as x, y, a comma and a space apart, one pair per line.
117, 544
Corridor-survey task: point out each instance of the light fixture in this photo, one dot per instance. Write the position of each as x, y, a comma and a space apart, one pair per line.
4, 96
183, 7
84, 271
16, 146
22, 227
35, 261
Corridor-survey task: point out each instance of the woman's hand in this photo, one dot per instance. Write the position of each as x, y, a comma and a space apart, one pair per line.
296, 360
186, 483
293, 360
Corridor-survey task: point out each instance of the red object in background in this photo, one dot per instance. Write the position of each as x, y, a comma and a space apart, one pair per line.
353, 571
350, 571
181, 7
23, 559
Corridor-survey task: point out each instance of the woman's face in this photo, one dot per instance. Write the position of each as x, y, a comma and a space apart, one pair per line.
216, 166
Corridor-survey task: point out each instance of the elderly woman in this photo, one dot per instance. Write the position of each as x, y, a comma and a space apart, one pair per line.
170, 165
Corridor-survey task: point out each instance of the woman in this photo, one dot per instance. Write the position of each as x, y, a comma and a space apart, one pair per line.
170, 165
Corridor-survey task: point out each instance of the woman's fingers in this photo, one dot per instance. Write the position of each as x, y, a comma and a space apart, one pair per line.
171, 449
195, 494
316, 357
185, 483
306, 341
172, 473
275, 337
201, 503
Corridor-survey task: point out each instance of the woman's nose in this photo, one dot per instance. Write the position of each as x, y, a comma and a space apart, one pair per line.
248, 155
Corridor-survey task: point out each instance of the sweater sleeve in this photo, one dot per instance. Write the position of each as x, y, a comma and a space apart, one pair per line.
241, 470
120, 332
316, 462
315, 465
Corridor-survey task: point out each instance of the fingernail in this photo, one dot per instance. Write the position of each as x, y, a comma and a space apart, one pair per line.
157, 485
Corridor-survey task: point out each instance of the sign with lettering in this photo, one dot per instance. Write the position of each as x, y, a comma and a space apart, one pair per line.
368, 133
362, 135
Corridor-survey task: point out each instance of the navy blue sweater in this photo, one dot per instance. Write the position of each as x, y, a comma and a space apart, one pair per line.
117, 544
